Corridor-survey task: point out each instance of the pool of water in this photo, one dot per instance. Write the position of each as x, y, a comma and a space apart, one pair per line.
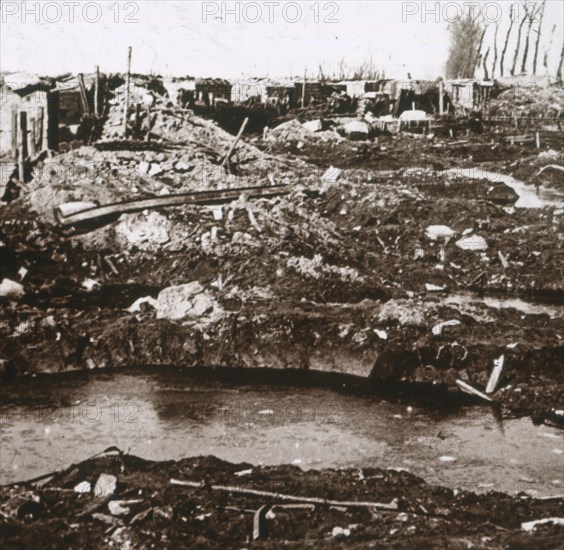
529, 195
524, 306
49, 424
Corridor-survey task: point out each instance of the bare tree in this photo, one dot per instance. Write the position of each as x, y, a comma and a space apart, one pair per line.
506, 40
479, 50
486, 76
494, 63
559, 74
539, 31
518, 46
532, 13
466, 35
547, 49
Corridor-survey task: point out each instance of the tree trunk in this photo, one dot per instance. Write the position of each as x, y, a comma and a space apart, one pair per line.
486, 76
518, 47
478, 58
506, 41
538, 37
495, 50
526, 51
547, 49
560, 65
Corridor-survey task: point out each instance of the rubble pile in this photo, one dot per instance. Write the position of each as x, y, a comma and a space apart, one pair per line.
187, 154
355, 264
123, 501
295, 131
529, 100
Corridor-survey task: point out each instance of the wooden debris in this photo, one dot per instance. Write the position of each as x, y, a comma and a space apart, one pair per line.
259, 522
83, 96
230, 152
280, 496
502, 259
200, 197
552, 166
113, 267
253, 220
127, 86
496, 373
469, 389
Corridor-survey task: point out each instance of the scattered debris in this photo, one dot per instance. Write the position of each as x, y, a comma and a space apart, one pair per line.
281, 496
496, 373
339, 533
473, 243
469, 389
438, 329
11, 290
116, 508
435, 232
83, 487
433, 288
530, 526
136, 306
105, 486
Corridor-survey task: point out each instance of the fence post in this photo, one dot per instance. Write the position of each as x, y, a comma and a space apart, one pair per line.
14, 132
22, 149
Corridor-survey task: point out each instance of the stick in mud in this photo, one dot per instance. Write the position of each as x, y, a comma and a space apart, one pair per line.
469, 389
496, 373
127, 84
230, 152
280, 496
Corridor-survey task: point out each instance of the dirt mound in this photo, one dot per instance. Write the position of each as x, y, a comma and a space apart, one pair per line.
205, 502
530, 101
186, 153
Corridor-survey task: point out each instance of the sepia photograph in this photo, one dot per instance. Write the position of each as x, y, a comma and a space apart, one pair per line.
282, 274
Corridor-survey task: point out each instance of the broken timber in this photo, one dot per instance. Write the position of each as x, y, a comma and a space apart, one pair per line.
199, 197
469, 389
281, 496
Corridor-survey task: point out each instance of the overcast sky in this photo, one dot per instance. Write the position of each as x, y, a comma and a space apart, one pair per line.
204, 38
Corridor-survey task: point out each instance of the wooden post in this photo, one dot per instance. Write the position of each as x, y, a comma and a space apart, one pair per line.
97, 92
304, 89
22, 147
40, 128
127, 83
83, 96
148, 135
441, 95
137, 120
14, 132
241, 130
32, 137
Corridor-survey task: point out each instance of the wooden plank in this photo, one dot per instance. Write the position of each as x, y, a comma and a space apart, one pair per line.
31, 136
127, 85
83, 95
496, 373
22, 145
201, 197
469, 389
40, 128
240, 133
280, 496
97, 92
14, 132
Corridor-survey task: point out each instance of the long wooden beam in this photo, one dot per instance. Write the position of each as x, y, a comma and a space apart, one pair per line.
200, 197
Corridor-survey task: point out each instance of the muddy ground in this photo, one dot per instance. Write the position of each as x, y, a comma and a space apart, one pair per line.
342, 275
343, 270
154, 513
